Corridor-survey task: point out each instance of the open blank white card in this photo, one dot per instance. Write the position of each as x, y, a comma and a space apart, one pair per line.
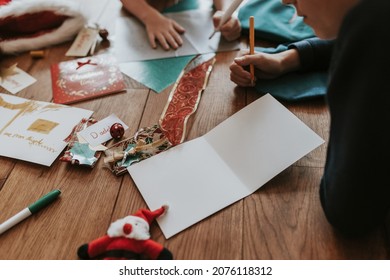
202, 176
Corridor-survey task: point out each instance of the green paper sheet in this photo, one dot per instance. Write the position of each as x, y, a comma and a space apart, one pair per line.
156, 74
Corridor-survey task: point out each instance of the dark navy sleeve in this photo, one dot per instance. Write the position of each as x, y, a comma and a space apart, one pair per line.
355, 188
314, 53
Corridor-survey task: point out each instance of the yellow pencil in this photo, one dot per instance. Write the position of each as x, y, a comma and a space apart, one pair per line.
252, 46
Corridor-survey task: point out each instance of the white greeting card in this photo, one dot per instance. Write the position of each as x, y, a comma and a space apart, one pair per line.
34, 130
132, 44
202, 176
99, 132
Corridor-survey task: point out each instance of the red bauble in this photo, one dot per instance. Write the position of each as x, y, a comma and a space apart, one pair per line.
117, 131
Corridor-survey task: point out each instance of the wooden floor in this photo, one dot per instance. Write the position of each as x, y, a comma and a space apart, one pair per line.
282, 220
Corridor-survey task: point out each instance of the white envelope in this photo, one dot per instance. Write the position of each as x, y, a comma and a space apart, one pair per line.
233, 160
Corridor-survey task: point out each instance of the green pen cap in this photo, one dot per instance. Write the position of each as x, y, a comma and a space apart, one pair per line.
44, 201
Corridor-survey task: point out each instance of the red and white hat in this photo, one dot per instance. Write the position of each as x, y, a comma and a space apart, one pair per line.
33, 24
135, 226
150, 216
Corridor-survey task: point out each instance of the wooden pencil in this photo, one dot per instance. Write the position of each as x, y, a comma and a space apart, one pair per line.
252, 46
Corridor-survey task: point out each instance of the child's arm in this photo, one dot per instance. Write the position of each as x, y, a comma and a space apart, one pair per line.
158, 27
306, 55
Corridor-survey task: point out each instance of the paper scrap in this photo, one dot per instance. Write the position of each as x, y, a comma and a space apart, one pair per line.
15, 79
84, 42
99, 132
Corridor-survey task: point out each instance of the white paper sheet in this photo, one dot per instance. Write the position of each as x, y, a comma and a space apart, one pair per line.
35, 131
132, 44
15, 83
202, 176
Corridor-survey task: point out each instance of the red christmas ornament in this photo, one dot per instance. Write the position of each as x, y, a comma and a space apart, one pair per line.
117, 131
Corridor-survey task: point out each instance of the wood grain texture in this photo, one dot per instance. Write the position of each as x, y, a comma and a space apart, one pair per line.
281, 220
287, 222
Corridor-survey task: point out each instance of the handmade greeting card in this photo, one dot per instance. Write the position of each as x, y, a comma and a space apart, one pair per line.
85, 78
35, 131
200, 177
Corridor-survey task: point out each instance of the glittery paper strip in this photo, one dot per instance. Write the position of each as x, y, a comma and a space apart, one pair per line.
184, 99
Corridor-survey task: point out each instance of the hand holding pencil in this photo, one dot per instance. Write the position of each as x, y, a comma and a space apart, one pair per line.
268, 65
224, 23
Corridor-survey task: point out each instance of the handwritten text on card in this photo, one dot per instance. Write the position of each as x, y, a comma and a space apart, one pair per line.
100, 132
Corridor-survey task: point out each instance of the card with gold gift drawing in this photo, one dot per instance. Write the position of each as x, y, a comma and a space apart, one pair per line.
34, 131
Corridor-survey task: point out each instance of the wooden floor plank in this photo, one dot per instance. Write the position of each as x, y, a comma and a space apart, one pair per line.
92, 192
281, 220
218, 237
288, 223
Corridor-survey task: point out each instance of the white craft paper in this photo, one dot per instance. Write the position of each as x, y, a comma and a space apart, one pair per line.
132, 44
202, 176
25, 133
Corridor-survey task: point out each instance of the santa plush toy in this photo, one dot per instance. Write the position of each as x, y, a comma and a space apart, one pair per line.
34, 24
126, 239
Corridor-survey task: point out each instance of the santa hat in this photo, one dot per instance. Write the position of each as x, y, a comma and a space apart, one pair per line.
150, 216
137, 225
34, 24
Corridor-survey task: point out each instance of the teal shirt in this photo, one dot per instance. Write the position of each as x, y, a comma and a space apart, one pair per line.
183, 5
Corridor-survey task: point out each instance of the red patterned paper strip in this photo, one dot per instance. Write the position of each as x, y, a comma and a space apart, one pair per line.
183, 101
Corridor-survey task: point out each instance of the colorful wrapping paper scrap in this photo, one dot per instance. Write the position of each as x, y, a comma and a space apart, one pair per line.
148, 141
80, 152
171, 130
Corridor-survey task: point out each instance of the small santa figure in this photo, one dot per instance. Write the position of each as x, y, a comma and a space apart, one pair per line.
128, 238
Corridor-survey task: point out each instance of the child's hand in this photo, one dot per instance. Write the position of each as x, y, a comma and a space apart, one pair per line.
166, 31
231, 30
267, 66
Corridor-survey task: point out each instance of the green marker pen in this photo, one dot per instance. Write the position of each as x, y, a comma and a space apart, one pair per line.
31, 209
